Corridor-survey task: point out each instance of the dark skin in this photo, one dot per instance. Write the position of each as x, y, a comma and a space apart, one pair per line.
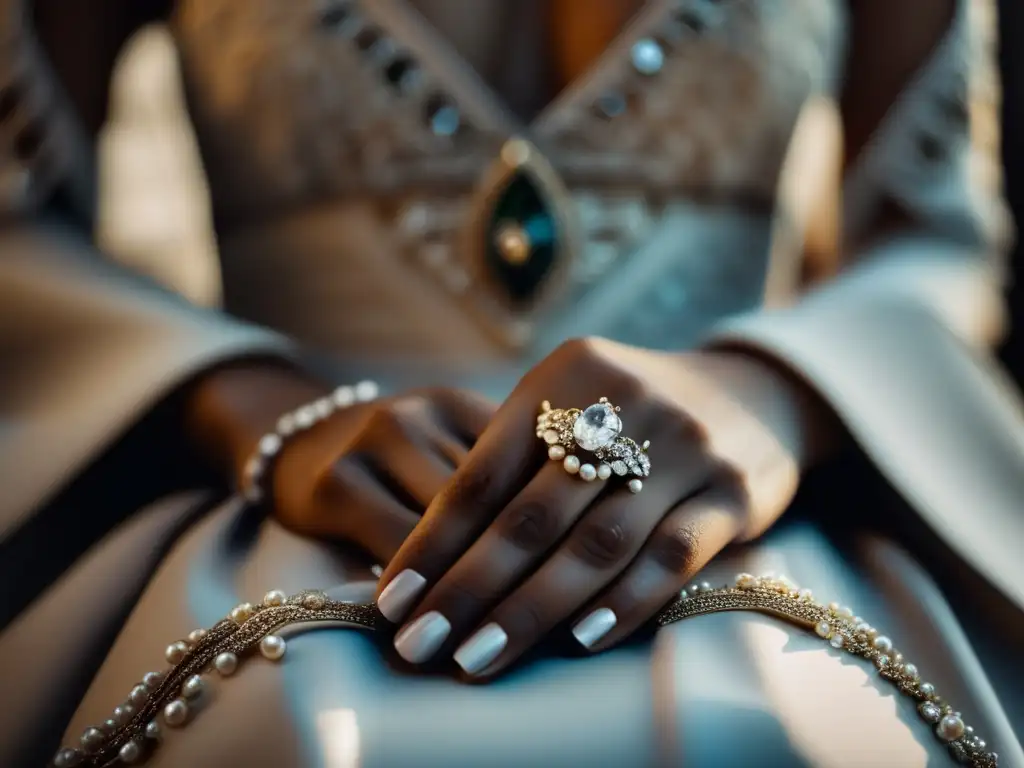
507, 537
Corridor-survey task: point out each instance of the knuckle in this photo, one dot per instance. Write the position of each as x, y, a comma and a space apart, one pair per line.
386, 420
676, 548
686, 430
462, 597
472, 487
602, 543
731, 486
532, 526
627, 387
524, 617
576, 350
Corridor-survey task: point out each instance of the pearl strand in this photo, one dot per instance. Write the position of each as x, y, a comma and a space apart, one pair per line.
134, 730
292, 423
169, 698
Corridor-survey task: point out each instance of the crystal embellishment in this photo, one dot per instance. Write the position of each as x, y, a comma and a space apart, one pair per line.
597, 427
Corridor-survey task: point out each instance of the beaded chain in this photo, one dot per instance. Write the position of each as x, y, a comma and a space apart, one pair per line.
168, 697
252, 487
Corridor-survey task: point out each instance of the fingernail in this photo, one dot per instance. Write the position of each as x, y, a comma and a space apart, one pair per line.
481, 649
595, 626
396, 599
421, 639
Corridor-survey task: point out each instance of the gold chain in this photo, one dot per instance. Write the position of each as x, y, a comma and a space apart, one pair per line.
135, 730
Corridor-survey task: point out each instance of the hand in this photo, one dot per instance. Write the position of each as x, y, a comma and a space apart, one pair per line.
367, 474
514, 547
364, 476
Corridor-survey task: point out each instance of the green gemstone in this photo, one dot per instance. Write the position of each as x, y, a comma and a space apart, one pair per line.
521, 207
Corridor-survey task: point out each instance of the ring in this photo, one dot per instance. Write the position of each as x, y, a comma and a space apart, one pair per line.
598, 430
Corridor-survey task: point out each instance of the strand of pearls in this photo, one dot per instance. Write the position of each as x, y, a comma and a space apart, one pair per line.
171, 698
134, 731
292, 423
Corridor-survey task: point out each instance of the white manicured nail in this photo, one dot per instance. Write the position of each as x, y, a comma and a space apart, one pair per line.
481, 649
421, 639
397, 598
595, 626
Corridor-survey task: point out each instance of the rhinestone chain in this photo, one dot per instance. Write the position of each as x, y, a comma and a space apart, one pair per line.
135, 729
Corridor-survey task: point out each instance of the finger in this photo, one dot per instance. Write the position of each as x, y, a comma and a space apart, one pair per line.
688, 537
467, 414
597, 549
352, 505
521, 536
398, 445
504, 460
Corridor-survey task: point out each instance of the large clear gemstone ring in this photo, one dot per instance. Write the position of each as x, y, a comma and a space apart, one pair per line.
596, 429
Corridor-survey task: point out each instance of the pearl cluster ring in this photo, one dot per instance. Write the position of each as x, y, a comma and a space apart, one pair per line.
290, 424
597, 429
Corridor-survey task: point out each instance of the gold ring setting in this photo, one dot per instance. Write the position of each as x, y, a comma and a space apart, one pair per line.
596, 429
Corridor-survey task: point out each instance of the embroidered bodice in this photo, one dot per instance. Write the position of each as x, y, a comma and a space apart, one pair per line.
375, 197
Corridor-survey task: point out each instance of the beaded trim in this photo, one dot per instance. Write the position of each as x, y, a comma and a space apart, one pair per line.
135, 729
290, 424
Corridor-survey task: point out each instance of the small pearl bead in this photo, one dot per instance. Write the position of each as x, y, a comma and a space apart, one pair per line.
588, 472
910, 671
153, 730
176, 652
130, 752
950, 728
366, 391
571, 464
304, 418
196, 636
226, 664
152, 680
314, 601
109, 726
693, 589
192, 687
833, 607
844, 612
323, 407
635, 485
837, 641
270, 444
93, 739
123, 714
927, 689
343, 396
67, 757
883, 643
272, 647
286, 424
746, 580
556, 452
176, 713
550, 436
274, 597
139, 695
604, 471
805, 594
823, 629
241, 613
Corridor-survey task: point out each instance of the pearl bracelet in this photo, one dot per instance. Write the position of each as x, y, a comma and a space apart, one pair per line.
291, 424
